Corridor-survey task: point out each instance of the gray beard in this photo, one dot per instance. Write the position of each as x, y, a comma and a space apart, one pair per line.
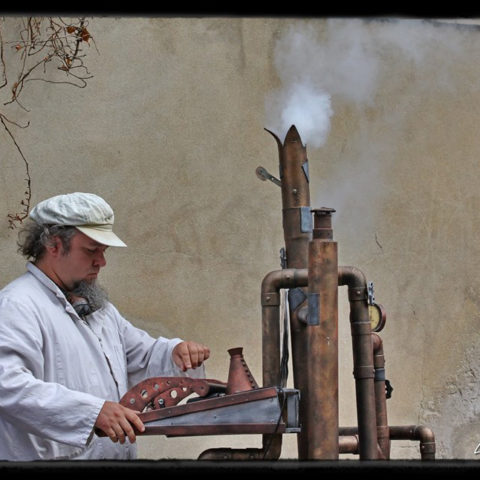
92, 292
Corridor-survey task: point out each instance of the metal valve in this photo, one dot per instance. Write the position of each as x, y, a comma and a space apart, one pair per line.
262, 174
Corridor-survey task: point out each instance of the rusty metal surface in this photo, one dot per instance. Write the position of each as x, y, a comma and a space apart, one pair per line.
236, 407
321, 418
363, 369
271, 285
218, 429
160, 392
202, 405
421, 433
257, 411
383, 430
293, 167
249, 416
322, 223
240, 377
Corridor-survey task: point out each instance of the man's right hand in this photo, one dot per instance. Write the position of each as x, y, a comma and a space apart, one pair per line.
117, 422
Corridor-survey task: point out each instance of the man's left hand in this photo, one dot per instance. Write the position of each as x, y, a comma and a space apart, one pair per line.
190, 354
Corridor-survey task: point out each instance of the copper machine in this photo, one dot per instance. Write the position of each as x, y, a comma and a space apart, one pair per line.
308, 284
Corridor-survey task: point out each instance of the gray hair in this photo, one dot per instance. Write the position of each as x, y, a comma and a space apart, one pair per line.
33, 238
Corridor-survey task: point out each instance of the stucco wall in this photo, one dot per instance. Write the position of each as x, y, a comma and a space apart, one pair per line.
170, 130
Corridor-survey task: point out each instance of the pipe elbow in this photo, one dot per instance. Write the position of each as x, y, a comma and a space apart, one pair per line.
286, 278
351, 276
427, 442
271, 282
424, 434
377, 343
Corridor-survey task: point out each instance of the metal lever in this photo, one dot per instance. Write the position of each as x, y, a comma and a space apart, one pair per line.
262, 174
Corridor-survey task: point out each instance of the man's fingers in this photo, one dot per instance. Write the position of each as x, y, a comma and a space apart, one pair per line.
186, 363
118, 422
190, 354
126, 430
134, 420
119, 433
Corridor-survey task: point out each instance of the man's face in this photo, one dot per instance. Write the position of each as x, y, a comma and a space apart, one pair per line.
82, 262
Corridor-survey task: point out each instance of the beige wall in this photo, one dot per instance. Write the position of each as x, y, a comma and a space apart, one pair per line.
170, 130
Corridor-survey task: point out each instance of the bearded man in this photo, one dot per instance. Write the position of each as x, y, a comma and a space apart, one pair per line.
67, 355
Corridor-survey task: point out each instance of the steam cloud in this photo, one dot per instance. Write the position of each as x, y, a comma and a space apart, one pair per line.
342, 59
311, 69
357, 64
309, 109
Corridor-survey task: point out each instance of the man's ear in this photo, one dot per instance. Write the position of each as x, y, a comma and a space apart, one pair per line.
55, 247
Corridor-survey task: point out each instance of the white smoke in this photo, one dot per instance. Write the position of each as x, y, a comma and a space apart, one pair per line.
308, 108
313, 67
318, 62
375, 71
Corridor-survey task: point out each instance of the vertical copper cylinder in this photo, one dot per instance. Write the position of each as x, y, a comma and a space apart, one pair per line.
363, 368
383, 431
320, 422
297, 230
272, 283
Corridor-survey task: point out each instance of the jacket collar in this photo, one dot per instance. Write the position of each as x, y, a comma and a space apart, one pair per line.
50, 285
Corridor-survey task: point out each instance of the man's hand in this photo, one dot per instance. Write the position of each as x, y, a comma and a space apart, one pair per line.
190, 355
116, 422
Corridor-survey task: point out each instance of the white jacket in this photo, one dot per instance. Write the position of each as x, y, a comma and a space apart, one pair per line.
54, 377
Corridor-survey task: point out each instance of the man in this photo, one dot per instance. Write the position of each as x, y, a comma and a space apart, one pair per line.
67, 356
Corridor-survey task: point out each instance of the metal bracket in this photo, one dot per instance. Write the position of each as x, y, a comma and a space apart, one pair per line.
296, 296
283, 258
306, 219
305, 171
371, 294
313, 308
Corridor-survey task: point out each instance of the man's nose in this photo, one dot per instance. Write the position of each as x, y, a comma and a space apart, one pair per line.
100, 259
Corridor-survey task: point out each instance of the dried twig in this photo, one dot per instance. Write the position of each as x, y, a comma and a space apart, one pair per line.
13, 218
43, 43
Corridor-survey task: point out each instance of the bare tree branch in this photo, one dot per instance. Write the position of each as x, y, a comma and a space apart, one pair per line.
45, 46
19, 216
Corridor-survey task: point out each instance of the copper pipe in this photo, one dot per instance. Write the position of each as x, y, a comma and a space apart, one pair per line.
320, 421
348, 444
231, 454
362, 360
297, 229
308, 263
407, 432
383, 431
272, 283
416, 432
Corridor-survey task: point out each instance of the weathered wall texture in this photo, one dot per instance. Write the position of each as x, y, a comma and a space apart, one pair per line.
170, 130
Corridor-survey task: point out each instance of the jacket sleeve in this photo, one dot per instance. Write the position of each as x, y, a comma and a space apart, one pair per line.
46, 409
148, 357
